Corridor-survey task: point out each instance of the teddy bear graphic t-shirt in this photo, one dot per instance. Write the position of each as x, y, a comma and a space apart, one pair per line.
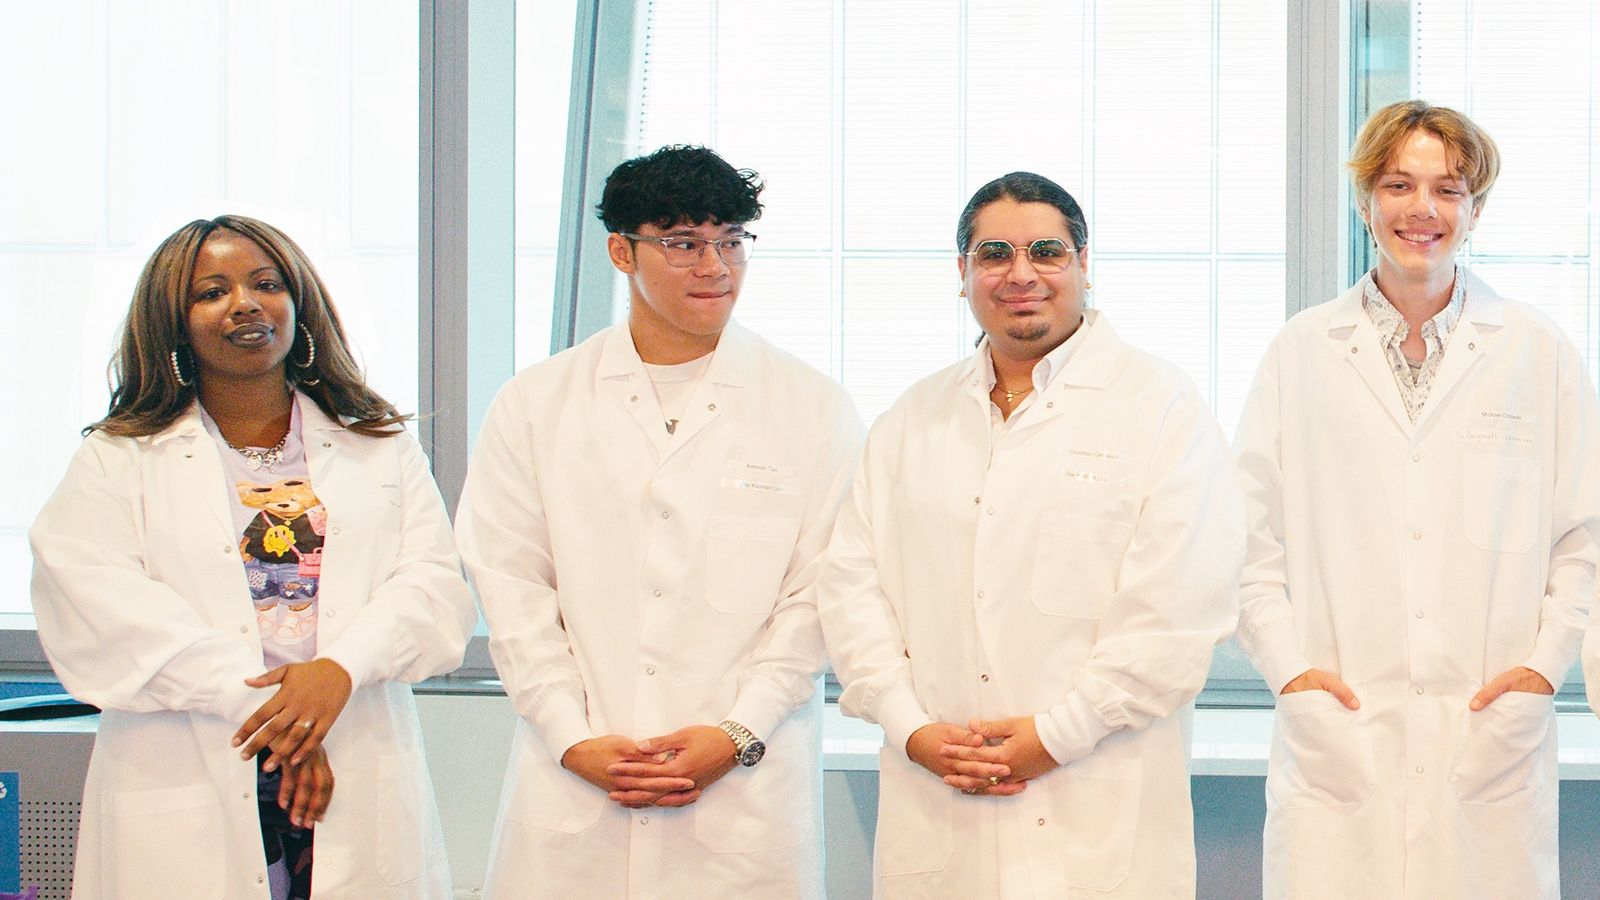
281, 524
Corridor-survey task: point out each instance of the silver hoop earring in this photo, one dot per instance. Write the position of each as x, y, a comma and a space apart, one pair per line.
311, 350
177, 370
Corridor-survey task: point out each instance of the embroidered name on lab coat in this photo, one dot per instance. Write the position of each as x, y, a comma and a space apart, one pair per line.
750, 476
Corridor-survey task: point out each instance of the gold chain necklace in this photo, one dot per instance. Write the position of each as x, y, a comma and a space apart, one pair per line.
1011, 396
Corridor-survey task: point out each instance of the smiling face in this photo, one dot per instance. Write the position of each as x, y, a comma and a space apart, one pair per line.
241, 320
677, 314
1025, 312
1420, 213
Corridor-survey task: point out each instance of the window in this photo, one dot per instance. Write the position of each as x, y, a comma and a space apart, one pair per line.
873, 123
1527, 74
544, 73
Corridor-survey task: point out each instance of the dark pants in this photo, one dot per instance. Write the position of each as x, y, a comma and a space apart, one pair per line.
279, 837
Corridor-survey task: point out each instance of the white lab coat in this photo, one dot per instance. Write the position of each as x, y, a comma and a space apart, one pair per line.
637, 582
1093, 563
143, 610
1417, 562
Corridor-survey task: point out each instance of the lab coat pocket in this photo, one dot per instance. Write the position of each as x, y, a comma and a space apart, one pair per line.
401, 847
1501, 758
765, 807
746, 557
1320, 753
1076, 562
1500, 501
1096, 799
163, 843
914, 818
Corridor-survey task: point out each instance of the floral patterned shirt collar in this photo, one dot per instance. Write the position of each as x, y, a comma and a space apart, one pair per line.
1414, 381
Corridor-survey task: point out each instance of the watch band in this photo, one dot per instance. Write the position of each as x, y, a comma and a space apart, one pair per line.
747, 748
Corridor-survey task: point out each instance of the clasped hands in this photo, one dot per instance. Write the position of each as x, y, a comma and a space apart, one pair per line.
671, 770
292, 724
996, 758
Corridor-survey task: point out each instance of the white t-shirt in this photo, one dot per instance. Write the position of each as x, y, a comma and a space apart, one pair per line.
281, 524
675, 387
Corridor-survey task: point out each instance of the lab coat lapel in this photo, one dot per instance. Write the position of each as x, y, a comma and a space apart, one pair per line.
621, 382
201, 463
321, 436
1090, 367
1482, 317
731, 370
1352, 336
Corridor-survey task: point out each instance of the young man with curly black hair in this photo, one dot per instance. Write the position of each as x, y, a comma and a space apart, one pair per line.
643, 519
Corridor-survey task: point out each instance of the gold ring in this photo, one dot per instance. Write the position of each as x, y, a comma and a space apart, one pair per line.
972, 791
994, 780
306, 725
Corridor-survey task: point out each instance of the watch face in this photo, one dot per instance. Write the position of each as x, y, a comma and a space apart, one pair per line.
752, 753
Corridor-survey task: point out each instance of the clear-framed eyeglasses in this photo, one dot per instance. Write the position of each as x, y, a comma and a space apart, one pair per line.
683, 251
1045, 254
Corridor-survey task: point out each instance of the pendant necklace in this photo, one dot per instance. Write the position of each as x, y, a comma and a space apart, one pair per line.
256, 459
1011, 396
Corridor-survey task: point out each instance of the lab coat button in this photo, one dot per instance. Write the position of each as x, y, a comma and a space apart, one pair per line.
980, 595
244, 629
656, 593
634, 399
1419, 613
1355, 349
260, 878
1050, 405
665, 514
644, 820
336, 531
984, 677
649, 670
991, 510
976, 500
711, 407
226, 548
1041, 821
1416, 458
1416, 535
327, 443
1419, 690
1471, 345
332, 613
1419, 770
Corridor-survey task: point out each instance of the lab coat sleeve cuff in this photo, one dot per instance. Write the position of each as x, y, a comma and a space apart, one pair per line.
1553, 654
236, 701
1050, 737
1275, 650
562, 722
361, 652
761, 705
1070, 730
900, 714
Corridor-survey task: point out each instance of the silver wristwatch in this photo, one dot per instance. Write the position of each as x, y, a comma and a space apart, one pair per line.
747, 748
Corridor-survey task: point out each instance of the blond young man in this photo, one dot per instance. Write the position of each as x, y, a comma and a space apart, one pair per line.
1422, 549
